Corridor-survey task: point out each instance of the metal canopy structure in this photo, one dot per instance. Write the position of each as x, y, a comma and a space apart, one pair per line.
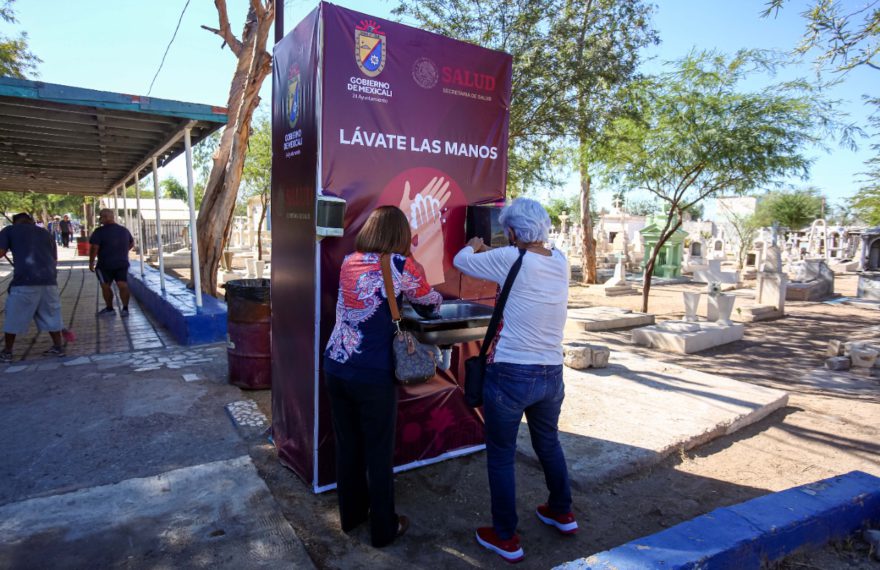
58, 139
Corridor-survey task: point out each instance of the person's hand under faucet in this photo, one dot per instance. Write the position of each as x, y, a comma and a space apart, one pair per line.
478, 244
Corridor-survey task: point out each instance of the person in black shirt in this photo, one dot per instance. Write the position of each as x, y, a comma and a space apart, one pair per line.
66, 228
110, 244
33, 293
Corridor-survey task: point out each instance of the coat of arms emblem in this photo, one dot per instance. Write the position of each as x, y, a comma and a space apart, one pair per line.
293, 100
369, 48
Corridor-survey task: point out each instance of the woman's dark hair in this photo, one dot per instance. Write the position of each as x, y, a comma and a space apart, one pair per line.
385, 231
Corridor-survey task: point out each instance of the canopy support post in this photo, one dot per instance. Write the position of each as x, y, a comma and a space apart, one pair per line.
194, 240
137, 221
158, 226
125, 205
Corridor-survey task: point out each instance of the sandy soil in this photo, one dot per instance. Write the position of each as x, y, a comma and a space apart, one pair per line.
827, 429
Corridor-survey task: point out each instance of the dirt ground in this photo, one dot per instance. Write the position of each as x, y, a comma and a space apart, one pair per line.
828, 428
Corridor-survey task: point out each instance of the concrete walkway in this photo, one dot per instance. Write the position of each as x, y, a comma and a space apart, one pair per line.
130, 460
80, 302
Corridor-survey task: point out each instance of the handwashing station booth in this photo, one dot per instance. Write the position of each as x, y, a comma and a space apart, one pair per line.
365, 113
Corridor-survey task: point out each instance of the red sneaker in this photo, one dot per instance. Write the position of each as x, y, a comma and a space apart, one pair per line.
509, 549
563, 523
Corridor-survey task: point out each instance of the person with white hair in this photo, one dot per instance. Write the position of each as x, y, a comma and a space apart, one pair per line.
524, 374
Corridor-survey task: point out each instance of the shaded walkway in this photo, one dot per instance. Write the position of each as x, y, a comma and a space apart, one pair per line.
80, 302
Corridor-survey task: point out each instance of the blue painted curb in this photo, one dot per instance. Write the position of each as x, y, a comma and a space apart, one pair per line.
754, 533
176, 307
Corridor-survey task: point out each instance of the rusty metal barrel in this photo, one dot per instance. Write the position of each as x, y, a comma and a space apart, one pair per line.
82, 246
248, 333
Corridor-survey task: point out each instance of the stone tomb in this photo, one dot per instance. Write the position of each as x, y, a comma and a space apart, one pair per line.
691, 335
714, 274
869, 285
617, 285
770, 291
812, 280
591, 319
687, 338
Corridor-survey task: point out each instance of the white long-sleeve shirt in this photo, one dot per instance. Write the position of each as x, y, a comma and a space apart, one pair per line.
535, 313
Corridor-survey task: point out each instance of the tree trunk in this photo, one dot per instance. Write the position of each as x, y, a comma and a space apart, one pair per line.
254, 65
264, 200
588, 259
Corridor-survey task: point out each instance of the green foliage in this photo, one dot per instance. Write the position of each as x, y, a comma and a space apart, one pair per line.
40, 205
257, 175
172, 188
203, 162
15, 58
568, 58
793, 209
570, 205
641, 207
696, 132
203, 155
146, 185
696, 211
744, 226
872, 175
841, 214
599, 47
866, 205
646, 207
521, 29
845, 34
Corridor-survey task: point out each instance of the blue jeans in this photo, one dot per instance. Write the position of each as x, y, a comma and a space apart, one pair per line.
512, 390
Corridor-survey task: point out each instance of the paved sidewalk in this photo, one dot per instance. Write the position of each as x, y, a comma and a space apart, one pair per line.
80, 302
130, 460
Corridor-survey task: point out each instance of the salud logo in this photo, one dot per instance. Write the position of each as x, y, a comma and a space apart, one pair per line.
293, 101
369, 48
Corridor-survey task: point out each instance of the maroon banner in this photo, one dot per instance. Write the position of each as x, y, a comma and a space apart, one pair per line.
420, 121
294, 278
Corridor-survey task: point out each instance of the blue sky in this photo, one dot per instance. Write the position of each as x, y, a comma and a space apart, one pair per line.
117, 46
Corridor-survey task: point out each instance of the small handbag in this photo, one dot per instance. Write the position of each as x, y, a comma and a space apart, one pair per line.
414, 362
475, 366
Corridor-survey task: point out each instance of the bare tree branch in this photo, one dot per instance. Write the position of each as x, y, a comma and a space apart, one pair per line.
257, 6
225, 30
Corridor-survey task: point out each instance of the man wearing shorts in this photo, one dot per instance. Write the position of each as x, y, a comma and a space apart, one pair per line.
33, 292
110, 244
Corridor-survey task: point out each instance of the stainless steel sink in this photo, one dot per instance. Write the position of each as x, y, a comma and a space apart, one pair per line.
455, 322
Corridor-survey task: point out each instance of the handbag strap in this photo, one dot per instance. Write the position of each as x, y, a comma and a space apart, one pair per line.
385, 263
498, 312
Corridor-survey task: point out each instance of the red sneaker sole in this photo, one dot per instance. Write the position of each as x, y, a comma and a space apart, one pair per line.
563, 528
511, 557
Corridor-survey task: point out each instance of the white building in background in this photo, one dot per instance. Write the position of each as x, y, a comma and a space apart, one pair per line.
175, 220
613, 223
698, 229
